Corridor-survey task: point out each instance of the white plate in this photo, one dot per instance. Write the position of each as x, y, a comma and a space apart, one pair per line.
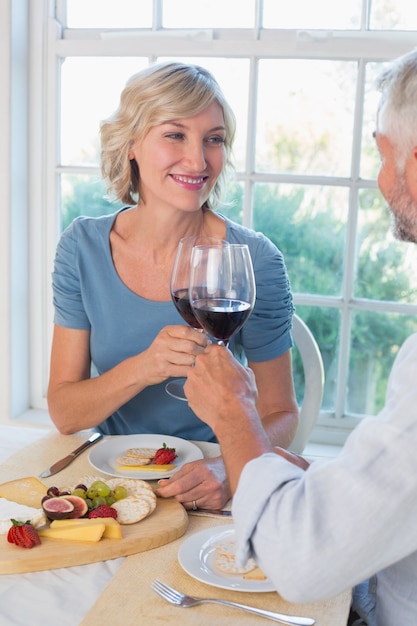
103, 455
196, 557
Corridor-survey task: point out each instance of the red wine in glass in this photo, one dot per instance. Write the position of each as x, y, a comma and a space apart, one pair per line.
222, 289
180, 282
181, 300
222, 318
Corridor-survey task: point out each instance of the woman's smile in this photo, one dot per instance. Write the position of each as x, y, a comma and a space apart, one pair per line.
190, 182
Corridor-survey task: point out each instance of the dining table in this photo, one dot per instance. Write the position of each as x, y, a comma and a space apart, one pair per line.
117, 591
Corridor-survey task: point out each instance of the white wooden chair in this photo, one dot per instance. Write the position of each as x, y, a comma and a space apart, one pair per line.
314, 382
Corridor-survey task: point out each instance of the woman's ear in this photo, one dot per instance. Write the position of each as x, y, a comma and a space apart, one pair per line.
131, 153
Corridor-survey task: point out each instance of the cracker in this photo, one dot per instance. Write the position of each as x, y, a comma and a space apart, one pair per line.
131, 509
132, 485
225, 559
141, 453
141, 489
132, 460
150, 498
255, 574
227, 563
227, 548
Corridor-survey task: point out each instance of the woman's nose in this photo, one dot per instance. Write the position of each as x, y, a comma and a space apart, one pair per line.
195, 155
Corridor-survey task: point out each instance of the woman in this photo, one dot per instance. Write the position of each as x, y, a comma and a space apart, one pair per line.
165, 153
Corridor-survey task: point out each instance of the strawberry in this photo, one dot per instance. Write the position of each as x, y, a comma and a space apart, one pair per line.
23, 534
12, 536
164, 456
103, 510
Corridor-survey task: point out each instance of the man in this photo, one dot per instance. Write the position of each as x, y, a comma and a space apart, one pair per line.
354, 518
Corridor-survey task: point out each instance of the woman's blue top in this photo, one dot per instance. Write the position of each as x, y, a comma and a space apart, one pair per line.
89, 295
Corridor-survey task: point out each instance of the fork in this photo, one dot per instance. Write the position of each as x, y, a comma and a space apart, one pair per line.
179, 599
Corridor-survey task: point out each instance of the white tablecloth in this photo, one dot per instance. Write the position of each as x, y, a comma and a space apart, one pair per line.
12, 438
31, 599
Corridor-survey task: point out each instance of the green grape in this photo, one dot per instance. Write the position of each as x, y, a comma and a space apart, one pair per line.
103, 490
110, 499
80, 493
98, 500
119, 492
96, 484
91, 492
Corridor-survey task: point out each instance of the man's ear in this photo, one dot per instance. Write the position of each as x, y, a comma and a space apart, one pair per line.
411, 173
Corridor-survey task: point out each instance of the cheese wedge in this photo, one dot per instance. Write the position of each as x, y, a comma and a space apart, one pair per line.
28, 491
147, 468
93, 533
112, 529
20, 512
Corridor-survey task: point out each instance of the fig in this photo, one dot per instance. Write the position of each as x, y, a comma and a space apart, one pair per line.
79, 504
58, 508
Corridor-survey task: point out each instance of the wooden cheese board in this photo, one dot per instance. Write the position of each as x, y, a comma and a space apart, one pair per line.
167, 522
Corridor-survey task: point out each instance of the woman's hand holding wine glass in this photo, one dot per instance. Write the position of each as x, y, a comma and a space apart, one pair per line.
180, 282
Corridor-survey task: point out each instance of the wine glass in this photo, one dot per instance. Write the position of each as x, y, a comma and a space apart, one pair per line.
222, 289
180, 282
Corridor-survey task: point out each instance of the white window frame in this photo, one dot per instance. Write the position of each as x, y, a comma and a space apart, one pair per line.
5, 202
28, 329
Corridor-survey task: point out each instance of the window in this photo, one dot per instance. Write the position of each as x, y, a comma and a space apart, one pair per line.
300, 79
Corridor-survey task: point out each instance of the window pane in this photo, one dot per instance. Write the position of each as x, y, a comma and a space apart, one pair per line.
324, 323
209, 14
387, 268
83, 195
370, 160
233, 203
308, 224
389, 15
233, 78
90, 92
81, 116
109, 14
307, 14
376, 339
305, 124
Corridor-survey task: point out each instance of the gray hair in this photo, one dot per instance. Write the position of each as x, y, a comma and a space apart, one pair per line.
151, 97
397, 113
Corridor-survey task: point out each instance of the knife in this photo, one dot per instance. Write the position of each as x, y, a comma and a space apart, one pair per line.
210, 512
63, 463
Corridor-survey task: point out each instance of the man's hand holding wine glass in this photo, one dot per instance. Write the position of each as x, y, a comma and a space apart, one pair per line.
223, 393
231, 386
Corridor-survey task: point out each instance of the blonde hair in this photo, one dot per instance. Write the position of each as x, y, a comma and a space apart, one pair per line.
155, 95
